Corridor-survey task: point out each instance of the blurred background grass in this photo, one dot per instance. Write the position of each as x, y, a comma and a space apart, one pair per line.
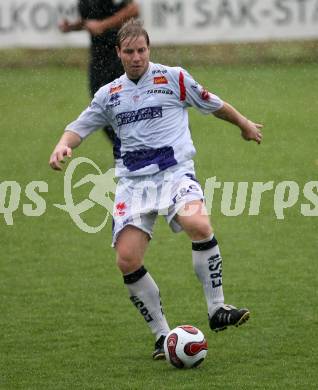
290, 52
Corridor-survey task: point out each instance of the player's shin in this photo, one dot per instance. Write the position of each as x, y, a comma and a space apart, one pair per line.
207, 263
145, 295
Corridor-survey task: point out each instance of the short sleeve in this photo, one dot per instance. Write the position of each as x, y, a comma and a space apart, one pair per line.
195, 95
93, 118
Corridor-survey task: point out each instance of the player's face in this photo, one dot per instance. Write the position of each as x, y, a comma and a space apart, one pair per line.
134, 54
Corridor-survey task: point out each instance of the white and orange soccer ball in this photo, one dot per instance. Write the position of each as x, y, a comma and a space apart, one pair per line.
185, 346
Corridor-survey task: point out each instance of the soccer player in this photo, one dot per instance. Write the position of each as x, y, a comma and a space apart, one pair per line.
147, 107
102, 19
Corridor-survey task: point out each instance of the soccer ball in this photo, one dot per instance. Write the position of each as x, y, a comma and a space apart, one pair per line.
185, 346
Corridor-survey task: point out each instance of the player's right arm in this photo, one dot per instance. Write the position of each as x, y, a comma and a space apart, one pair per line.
93, 118
64, 147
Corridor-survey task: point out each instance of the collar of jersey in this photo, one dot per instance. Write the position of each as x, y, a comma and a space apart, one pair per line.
143, 77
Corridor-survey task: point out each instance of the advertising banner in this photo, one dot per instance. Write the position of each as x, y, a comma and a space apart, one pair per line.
33, 23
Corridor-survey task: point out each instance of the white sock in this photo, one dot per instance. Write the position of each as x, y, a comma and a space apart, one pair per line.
207, 263
145, 295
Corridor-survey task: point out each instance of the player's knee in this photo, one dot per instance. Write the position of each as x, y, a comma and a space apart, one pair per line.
201, 231
127, 261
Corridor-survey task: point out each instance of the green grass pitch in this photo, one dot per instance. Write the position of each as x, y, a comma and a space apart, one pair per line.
65, 318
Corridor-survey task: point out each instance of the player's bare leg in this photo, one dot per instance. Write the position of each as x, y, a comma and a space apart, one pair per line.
131, 246
207, 263
144, 293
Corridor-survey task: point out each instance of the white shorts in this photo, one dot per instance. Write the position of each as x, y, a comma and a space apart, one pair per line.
139, 200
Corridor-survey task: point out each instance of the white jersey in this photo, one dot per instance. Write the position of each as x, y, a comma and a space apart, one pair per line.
150, 118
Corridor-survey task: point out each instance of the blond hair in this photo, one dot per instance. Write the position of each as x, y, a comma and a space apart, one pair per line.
133, 29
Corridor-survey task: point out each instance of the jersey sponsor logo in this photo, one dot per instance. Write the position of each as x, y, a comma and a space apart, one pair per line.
160, 80
163, 91
116, 89
156, 71
140, 115
114, 100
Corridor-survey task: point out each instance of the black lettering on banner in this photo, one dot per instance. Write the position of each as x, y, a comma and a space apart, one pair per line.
286, 16
141, 307
13, 18
205, 12
17, 17
162, 10
296, 11
235, 12
254, 12
237, 17
225, 11
41, 17
246, 14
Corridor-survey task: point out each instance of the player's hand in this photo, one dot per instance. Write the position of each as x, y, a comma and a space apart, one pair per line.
65, 26
58, 156
95, 27
252, 132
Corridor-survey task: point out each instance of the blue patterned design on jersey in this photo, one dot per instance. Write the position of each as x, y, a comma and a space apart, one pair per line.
116, 148
140, 115
163, 157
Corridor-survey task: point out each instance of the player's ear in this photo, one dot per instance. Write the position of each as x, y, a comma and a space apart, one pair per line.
118, 51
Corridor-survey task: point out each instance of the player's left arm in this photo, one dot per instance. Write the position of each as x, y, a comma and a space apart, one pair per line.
195, 95
250, 131
97, 27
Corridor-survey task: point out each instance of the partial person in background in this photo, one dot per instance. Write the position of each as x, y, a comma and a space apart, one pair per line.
102, 19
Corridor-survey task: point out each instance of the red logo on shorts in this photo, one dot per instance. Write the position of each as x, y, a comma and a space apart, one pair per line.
120, 209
